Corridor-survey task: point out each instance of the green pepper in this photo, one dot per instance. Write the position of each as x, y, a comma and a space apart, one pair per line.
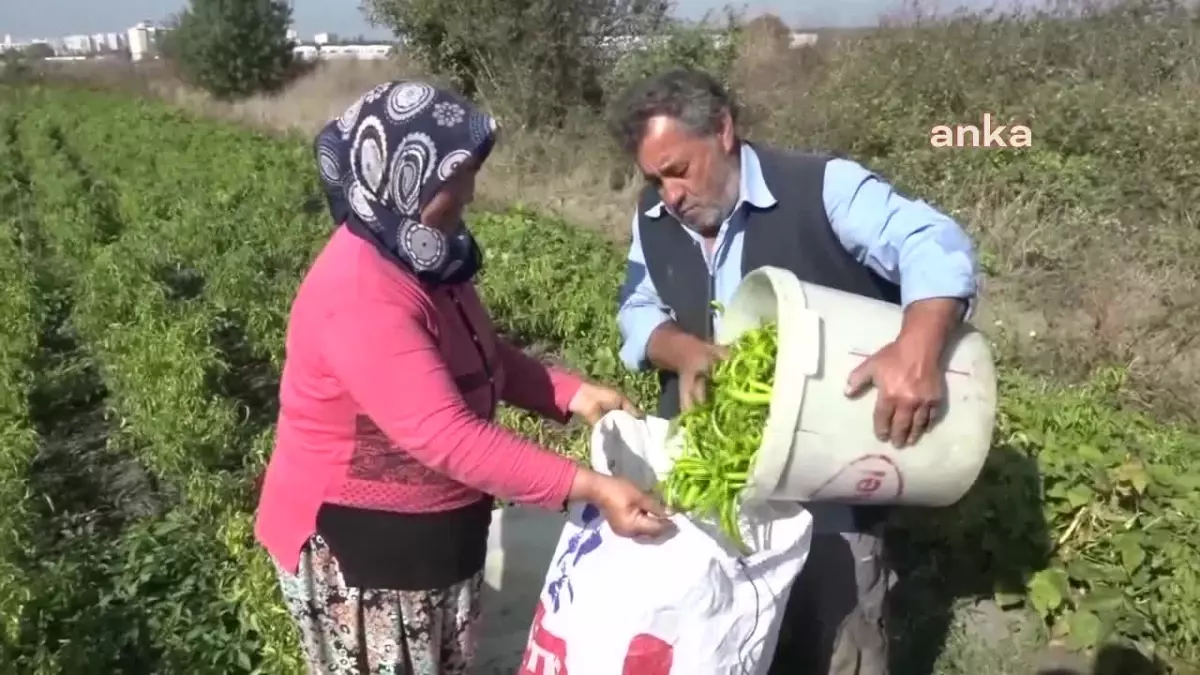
722, 434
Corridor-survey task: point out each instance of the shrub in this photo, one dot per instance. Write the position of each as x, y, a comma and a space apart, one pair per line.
680, 46
14, 68
232, 48
533, 60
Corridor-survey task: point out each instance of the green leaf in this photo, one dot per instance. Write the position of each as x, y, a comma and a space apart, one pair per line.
1131, 550
1102, 600
1085, 628
1079, 495
1091, 454
1046, 591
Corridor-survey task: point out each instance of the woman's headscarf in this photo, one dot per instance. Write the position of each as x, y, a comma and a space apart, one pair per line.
386, 158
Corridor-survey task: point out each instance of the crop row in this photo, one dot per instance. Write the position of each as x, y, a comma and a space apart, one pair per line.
175, 586
179, 244
18, 442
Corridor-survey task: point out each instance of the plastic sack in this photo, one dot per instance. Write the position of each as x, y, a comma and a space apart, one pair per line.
683, 605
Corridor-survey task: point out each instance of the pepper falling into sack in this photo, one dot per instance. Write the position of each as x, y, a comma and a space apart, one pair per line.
722, 434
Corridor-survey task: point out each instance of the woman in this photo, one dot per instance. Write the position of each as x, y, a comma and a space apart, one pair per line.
377, 500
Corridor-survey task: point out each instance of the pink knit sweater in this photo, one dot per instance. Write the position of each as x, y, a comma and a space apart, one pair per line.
386, 402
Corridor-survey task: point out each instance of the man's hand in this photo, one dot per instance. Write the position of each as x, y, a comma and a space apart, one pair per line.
592, 401
693, 375
910, 389
907, 373
689, 357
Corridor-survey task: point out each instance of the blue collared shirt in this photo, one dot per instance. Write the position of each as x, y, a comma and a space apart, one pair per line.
907, 242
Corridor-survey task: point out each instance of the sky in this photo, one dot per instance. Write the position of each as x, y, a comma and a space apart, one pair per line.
55, 18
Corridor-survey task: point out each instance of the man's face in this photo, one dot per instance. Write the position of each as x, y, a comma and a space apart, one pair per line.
696, 176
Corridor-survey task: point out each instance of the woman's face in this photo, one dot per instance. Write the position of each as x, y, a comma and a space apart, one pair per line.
445, 211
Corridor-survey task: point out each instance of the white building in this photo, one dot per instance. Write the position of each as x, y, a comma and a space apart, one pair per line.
106, 42
139, 42
306, 52
343, 52
77, 44
803, 39
359, 52
143, 40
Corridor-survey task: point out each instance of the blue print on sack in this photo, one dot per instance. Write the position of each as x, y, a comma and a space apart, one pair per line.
579, 545
589, 514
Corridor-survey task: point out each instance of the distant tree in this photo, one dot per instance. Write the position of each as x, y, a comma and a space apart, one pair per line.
350, 40
39, 50
533, 60
771, 29
702, 45
14, 67
232, 48
766, 39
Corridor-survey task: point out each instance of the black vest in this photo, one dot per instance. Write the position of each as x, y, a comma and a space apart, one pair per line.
794, 234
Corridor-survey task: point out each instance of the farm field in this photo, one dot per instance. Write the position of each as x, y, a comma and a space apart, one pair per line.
147, 261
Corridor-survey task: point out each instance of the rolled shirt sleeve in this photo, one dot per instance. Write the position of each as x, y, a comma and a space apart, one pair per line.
640, 309
905, 241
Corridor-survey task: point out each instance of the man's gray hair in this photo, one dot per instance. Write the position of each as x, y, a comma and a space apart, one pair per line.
694, 98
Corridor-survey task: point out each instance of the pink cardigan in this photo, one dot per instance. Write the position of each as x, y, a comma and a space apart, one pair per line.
386, 402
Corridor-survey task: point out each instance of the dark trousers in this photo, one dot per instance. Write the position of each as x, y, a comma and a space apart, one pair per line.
834, 620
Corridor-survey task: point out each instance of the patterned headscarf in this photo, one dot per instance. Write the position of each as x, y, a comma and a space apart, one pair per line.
386, 158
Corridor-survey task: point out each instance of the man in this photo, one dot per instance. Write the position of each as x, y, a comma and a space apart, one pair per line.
716, 207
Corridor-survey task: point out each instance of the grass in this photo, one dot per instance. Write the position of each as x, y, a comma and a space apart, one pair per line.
1089, 244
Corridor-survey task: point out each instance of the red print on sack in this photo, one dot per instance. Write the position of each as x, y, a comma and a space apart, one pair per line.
648, 655
546, 653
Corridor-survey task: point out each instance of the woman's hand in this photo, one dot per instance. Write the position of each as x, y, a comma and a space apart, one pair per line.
592, 401
629, 511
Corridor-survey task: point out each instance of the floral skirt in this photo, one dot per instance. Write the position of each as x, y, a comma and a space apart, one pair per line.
364, 631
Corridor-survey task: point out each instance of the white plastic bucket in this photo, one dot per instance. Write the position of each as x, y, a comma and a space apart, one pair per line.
818, 444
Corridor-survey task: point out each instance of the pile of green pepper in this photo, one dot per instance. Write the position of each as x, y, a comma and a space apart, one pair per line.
721, 435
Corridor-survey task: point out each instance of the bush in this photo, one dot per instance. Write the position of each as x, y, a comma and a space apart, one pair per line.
695, 47
232, 48
14, 68
533, 60
1107, 90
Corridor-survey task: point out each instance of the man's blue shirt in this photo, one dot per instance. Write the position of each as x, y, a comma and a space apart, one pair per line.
904, 241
